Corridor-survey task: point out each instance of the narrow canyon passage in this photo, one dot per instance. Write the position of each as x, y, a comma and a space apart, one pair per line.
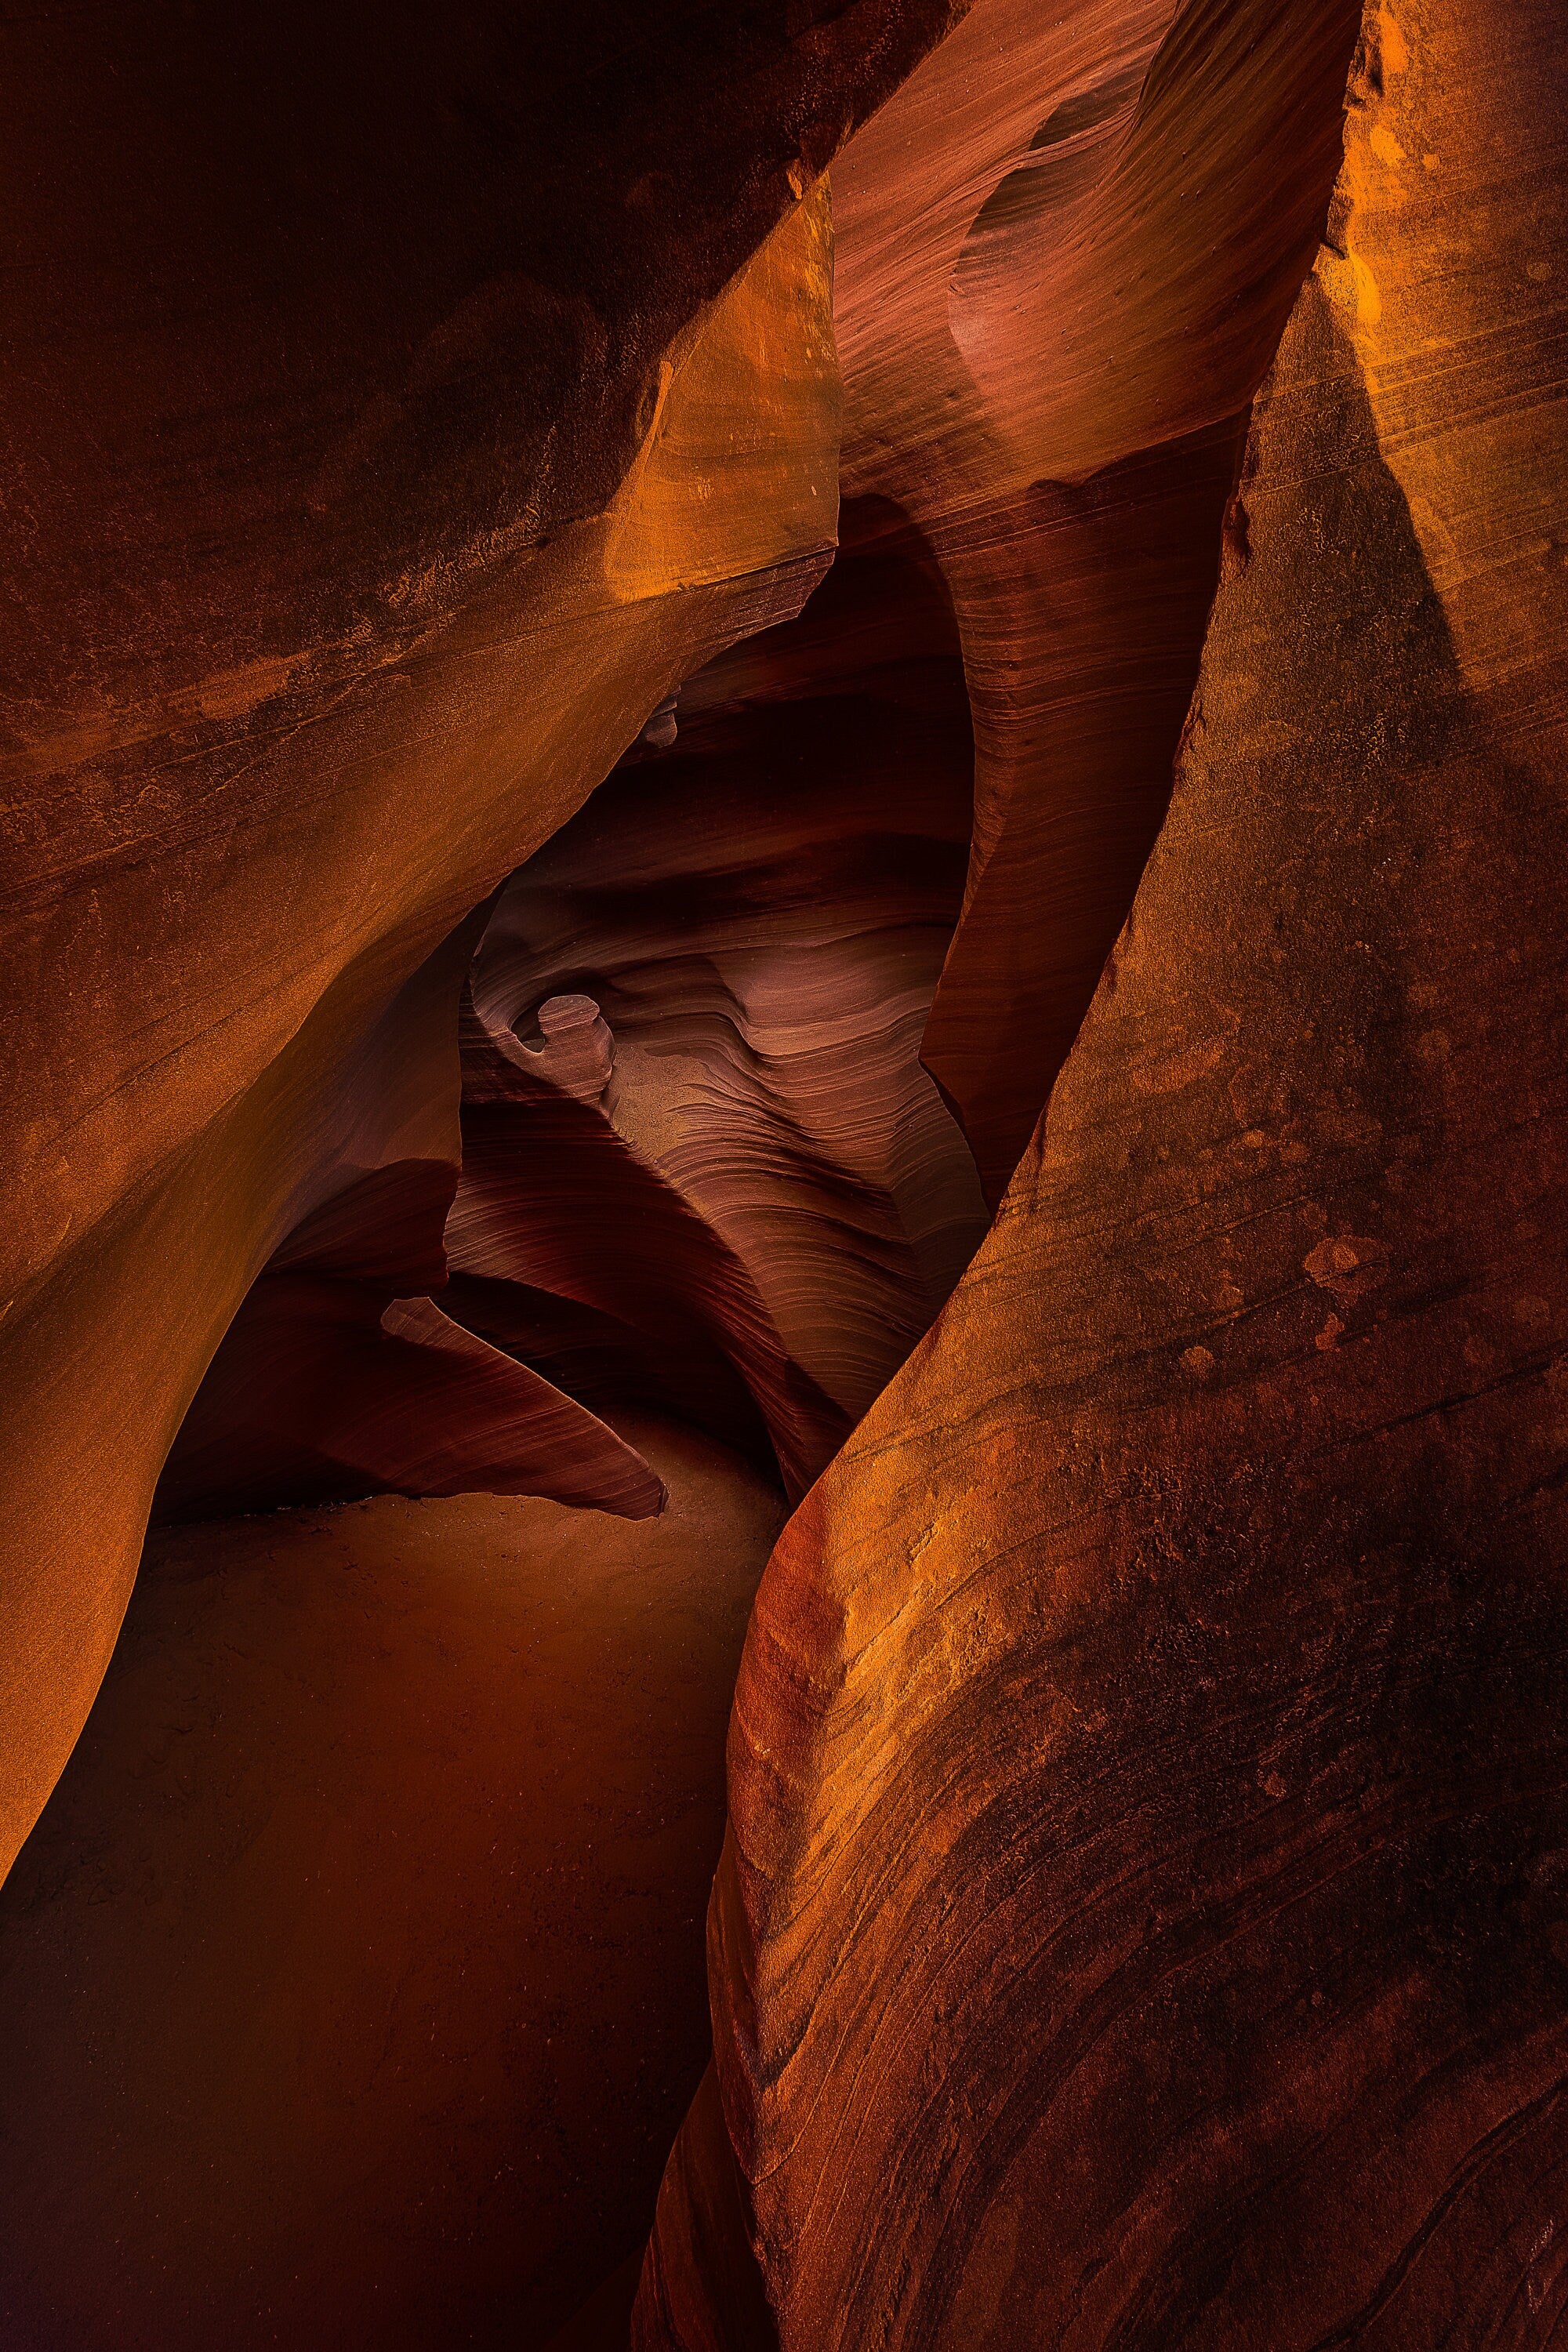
783, 1017
749, 920
354, 1973
352, 1978
371, 2018
700, 1168
355, 1968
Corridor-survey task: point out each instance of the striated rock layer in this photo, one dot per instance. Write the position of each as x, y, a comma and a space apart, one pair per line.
379, 469
1143, 1919
1066, 248
1144, 1916
336, 1380
727, 960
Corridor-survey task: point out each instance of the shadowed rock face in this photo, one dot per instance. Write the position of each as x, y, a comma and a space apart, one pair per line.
757, 918
1145, 1914
702, 1167
355, 414
333, 1381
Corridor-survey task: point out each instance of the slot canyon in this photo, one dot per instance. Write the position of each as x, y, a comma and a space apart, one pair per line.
784, 1343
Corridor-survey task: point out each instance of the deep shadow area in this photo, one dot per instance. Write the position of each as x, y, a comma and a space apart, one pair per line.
354, 1976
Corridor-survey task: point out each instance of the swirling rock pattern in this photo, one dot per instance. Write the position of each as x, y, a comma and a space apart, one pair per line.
1066, 248
1144, 1918
380, 470
753, 1174
337, 1377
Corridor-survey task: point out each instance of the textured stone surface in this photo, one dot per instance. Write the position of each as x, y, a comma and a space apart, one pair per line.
1066, 248
1144, 1918
363, 439
761, 913
337, 1379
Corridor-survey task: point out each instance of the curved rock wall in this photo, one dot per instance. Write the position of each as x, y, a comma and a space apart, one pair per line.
750, 922
1144, 1919
350, 415
1066, 248
1144, 1916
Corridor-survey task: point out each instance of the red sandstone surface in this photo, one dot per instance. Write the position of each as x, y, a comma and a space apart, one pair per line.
1144, 1915
359, 365
910, 816
759, 915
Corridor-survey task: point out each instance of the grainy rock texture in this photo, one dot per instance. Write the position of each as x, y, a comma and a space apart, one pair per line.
1144, 1918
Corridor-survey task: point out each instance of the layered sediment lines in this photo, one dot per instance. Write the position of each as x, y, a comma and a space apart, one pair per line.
694, 1110
381, 470
339, 1377
353, 1977
1065, 250
1144, 1916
